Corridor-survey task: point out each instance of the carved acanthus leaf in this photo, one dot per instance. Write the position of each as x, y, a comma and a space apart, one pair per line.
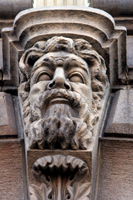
60, 177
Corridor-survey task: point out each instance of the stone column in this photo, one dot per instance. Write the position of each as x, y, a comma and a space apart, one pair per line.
41, 3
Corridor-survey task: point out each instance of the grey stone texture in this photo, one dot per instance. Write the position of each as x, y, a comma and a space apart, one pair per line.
12, 174
7, 116
9, 9
115, 7
116, 169
94, 25
114, 156
120, 119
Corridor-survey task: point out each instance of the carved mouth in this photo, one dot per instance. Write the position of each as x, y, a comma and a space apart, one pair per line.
59, 100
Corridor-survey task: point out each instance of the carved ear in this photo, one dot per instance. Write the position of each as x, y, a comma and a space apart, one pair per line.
27, 61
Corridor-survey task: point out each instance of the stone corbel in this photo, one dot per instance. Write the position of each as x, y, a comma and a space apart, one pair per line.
64, 38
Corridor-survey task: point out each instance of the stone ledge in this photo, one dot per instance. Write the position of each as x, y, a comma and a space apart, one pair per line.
120, 119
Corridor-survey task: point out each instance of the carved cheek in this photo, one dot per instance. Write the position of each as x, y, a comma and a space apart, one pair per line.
84, 90
37, 89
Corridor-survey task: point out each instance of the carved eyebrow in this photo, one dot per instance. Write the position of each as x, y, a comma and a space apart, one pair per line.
44, 63
69, 64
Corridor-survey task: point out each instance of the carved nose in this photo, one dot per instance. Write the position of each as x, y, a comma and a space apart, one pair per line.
59, 80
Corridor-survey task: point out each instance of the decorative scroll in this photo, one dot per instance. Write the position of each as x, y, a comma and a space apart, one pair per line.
60, 178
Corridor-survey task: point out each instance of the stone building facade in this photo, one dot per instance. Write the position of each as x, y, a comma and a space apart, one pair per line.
66, 118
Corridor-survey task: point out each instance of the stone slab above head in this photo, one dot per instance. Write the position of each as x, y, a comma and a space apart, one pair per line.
93, 25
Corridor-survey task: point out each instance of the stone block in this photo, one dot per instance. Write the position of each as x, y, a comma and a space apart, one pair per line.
116, 171
125, 21
85, 155
10, 8
12, 173
120, 120
115, 7
129, 51
7, 117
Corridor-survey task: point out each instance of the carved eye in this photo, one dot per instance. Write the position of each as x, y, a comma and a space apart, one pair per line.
77, 78
44, 77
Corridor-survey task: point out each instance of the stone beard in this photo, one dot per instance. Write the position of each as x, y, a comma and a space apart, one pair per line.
62, 125
62, 84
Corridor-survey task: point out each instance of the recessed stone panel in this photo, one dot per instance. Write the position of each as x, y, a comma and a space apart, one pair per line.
116, 170
12, 170
7, 117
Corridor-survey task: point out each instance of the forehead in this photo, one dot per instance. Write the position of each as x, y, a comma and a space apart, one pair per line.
61, 59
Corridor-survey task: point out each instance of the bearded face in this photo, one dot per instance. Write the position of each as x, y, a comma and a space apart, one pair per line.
59, 110
60, 100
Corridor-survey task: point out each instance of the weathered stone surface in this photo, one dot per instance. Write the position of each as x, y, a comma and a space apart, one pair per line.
95, 26
115, 7
12, 173
9, 9
7, 117
1, 62
116, 171
120, 120
51, 71
86, 156
63, 82
130, 57
125, 21
60, 177
4, 24
34, 154
130, 52
89, 156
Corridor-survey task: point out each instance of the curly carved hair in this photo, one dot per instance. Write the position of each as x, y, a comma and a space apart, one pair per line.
79, 47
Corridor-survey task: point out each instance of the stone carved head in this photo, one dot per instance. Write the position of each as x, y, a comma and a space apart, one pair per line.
62, 84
